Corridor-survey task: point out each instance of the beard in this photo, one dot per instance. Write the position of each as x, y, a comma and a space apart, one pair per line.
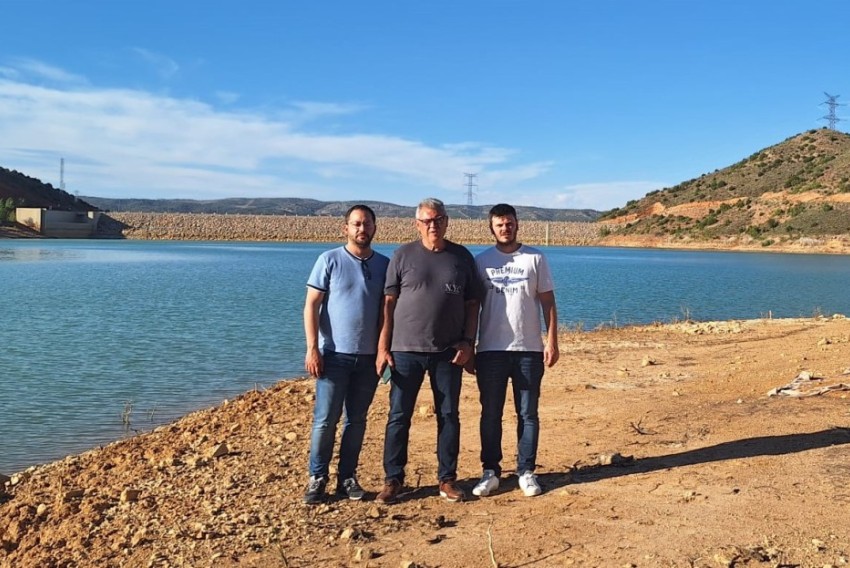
363, 239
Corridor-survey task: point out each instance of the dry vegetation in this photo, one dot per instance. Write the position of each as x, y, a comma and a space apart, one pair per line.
797, 189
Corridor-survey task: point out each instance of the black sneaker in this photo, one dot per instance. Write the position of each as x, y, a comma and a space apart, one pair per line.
315, 491
351, 488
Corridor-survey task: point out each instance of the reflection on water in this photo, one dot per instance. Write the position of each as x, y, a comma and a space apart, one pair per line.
91, 327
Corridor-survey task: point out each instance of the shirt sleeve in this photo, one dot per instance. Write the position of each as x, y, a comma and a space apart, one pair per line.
545, 283
320, 276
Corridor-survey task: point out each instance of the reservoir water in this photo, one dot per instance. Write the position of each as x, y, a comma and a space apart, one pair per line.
100, 339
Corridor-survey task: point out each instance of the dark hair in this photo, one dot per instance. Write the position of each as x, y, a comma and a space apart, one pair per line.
500, 210
361, 207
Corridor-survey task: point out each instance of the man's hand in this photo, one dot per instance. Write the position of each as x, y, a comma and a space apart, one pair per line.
313, 362
383, 360
464, 353
551, 354
469, 366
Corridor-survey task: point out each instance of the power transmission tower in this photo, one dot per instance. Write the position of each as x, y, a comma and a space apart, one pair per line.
832, 104
62, 174
470, 187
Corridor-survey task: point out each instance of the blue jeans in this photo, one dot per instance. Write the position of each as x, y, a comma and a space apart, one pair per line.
525, 369
407, 377
349, 382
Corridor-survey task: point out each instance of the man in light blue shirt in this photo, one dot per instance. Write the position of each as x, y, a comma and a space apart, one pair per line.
342, 319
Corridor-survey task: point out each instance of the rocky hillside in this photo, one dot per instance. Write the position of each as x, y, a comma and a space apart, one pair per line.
31, 192
799, 188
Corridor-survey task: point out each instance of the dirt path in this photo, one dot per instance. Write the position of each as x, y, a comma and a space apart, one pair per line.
707, 471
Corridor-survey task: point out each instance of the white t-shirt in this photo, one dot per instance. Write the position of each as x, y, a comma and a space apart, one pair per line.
510, 317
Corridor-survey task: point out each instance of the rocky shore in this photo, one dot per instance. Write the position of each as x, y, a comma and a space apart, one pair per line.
185, 226
661, 447
222, 227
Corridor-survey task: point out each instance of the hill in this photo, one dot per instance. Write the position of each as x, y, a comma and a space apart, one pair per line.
31, 192
798, 188
313, 207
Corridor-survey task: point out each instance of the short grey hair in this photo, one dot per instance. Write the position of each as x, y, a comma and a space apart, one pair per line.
432, 203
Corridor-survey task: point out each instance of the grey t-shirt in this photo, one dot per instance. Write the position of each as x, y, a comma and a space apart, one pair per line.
432, 289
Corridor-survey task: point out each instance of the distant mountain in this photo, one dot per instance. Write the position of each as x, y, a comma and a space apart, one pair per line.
312, 207
800, 187
31, 192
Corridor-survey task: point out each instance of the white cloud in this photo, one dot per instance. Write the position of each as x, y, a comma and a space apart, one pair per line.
602, 195
162, 64
129, 143
23, 66
227, 97
310, 110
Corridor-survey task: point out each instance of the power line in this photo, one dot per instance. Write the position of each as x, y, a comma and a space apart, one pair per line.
470, 187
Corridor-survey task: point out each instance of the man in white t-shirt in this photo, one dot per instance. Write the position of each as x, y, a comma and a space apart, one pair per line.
518, 286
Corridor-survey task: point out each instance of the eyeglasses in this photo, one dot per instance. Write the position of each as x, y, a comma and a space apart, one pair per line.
367, 274
437, 221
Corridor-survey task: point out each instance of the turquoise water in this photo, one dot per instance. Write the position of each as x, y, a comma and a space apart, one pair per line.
103, 338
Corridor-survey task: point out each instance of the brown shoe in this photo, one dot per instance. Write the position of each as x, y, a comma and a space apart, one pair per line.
389, 495
451, 491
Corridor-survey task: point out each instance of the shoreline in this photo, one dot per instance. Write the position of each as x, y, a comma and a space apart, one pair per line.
222, 485
280, 228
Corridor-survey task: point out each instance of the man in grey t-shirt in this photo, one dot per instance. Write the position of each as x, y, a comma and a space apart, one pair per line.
431, 305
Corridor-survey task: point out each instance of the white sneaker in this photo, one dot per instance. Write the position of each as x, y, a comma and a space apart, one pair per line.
489, 483
528, 484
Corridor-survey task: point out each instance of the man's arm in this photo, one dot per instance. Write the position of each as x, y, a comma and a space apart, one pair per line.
313, 359
386, 336
551, 354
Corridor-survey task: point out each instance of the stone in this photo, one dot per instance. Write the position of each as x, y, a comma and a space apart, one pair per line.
197, 461
291, 436
349, 534
130, 495
615, 458
72, 494
361, 554
138, 537
19, 478
219, 451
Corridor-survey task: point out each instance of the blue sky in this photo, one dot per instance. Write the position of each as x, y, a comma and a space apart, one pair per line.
561, 104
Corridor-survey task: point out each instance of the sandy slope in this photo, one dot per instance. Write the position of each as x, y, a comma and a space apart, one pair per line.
714, 472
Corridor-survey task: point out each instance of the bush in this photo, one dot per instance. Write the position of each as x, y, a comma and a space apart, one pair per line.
7, 211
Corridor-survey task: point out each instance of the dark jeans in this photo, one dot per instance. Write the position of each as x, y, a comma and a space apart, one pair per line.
407, 377
525, 369
349, 382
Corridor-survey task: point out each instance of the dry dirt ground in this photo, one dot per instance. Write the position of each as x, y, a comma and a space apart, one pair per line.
660, 447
